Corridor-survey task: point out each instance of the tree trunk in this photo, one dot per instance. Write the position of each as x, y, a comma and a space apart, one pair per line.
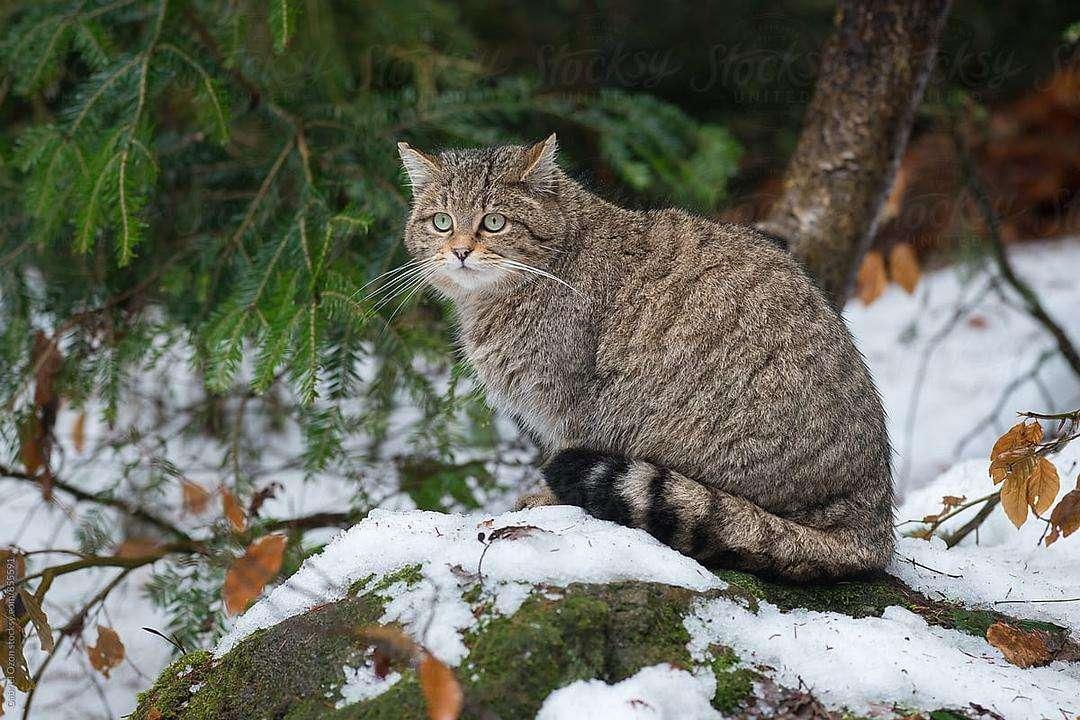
871, 79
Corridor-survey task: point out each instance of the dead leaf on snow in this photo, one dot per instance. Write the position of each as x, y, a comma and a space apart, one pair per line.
1023, 648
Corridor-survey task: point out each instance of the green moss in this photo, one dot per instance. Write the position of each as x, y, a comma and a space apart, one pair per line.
734, 684
173, 686
357, 586
607, 632
947, 715
868, 598
293, 669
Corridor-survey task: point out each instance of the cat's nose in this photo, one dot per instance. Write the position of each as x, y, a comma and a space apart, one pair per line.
461, 253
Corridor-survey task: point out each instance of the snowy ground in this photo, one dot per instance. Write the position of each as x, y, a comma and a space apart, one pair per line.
973, 382
840, 658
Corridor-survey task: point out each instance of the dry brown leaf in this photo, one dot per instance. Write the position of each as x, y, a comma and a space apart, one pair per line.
1042, 486
30, 450
12, 661
108, 652
234, 513
1020, 435
952, 501
870, 282
1023, 648
1014, 500
137, 547
78, 432
442, 692
196, 497
514, 532
248, 574
38, 618
1014, 452
904, 266
153, 713
1065, 520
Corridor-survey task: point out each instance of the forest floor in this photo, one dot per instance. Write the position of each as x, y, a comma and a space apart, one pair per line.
954, 363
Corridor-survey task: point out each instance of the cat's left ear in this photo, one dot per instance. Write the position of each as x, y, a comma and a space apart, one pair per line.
420, 166
540, 167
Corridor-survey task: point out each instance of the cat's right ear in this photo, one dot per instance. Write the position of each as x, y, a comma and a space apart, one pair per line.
420, 166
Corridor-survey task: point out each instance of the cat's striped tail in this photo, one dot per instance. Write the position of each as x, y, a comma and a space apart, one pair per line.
715, 527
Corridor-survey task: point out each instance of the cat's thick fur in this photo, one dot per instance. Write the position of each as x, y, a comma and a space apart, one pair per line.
691, 381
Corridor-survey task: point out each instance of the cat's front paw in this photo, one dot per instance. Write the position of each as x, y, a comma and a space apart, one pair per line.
536, 499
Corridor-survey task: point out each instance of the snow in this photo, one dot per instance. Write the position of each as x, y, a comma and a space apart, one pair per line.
561, 545
660, 692
867, 663
362, 683
967, 374
1006, 564
966, 401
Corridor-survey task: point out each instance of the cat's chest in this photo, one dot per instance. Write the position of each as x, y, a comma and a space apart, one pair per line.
531, 364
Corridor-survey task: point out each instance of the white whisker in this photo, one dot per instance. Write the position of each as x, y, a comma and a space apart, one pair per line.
388, 274
399, 281
541, 273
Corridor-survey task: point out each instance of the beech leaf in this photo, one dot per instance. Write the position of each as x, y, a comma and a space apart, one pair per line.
442, 692
195, 497
108, 652
234, 512
1065, 520
904, 266
1023, 648
249, 573
871, 281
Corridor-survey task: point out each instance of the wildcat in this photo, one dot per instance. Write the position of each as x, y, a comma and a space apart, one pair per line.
684, 376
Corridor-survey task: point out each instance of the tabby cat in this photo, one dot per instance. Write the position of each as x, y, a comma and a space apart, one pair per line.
685, 376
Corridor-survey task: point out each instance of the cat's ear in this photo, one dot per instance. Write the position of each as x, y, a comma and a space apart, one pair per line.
420, 166
540, 167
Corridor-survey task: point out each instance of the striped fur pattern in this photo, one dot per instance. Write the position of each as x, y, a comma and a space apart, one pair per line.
684, 375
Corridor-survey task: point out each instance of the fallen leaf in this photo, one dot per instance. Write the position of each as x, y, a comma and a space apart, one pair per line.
233, 511
392, 643
1023, 648
870, 282
78, 432
904, 266
108, 652
514, 532
248, 574
380, 663
195, 497
1065, 520
952, 501
442, 693
153, 713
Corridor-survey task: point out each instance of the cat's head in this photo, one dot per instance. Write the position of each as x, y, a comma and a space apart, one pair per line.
484, 220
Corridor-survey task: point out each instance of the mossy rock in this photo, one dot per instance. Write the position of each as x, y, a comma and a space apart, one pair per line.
294, 670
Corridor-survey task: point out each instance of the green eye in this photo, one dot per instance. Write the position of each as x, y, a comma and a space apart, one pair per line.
442, 221
494, 222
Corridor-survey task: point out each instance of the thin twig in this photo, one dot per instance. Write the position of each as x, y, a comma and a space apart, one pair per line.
1001, 256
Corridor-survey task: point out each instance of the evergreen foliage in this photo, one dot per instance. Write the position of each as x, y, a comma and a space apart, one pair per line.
218, 182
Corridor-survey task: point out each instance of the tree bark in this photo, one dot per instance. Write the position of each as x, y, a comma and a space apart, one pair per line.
873, 71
